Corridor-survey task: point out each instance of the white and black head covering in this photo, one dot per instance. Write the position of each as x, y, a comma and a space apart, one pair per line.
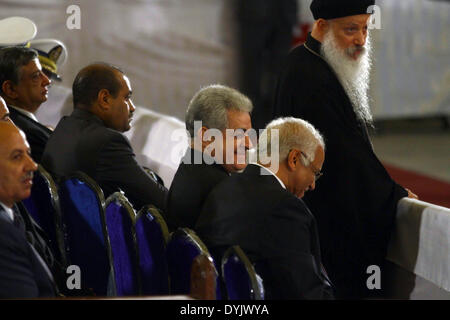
333, 9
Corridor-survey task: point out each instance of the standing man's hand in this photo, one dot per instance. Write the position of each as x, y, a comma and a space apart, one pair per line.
411, 194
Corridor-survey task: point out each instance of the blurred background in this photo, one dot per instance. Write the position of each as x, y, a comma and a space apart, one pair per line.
171, 48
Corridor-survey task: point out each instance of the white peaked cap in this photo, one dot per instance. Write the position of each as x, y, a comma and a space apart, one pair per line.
46, 45
16, 31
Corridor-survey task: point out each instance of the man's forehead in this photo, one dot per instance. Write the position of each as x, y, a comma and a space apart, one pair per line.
32, 66
238, 119
11, 139
353, 20
3, 107
319, 157
126, 81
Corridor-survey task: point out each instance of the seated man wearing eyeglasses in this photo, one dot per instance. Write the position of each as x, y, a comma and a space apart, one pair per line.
261, 211
24, 87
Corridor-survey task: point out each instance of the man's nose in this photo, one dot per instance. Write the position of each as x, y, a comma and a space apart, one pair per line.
46, 81
360, 38
31, 165
132, 107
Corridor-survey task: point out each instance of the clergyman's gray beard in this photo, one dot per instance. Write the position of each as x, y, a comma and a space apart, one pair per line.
353, 74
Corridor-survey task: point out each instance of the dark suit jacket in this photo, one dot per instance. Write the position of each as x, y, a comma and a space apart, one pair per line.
37, 134
190, 187
273, 227
21, 273
355, 202
81, 142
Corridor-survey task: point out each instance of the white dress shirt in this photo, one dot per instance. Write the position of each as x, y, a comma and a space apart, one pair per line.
25, 112
8, 211
279, 180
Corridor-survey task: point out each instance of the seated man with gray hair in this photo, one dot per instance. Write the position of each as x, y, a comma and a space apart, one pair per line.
261, 211
217, 120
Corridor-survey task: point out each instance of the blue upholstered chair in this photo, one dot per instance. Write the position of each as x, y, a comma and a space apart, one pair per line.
120, 219
152, 235
183, 247
241, 280
43, 206
87, 243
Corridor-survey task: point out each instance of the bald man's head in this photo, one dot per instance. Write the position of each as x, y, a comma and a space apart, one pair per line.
16, 165
4, 111
105, 91
93, 78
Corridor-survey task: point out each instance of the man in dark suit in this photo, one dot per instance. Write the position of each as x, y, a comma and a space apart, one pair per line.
24, 269
261, 211
24, 87
213, 108
91, 140
326, 81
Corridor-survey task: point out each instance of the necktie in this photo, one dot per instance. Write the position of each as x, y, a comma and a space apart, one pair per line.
18, 220
20, 224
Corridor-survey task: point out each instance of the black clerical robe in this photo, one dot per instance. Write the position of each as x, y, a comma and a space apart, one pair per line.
355, 201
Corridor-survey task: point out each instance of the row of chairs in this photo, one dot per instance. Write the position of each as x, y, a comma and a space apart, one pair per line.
121, 252
106, 239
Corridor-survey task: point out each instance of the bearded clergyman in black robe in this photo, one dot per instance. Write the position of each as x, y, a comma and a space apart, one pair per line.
325, 81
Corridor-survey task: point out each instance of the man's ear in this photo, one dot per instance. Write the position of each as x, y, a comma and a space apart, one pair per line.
8, 88
293, 159
103, 98
323, 26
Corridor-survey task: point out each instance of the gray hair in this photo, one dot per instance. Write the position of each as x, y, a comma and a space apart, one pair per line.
210, 104
292, 133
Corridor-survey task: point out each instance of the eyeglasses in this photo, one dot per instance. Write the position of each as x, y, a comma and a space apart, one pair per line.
317, 173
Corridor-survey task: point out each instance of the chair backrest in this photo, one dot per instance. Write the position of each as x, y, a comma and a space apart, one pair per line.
241, 280
183, 247
87, 244
120, 220
43, 205
151, 236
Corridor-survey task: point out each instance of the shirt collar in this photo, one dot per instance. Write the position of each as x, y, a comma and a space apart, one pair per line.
25, 112
268, 170
8, 211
